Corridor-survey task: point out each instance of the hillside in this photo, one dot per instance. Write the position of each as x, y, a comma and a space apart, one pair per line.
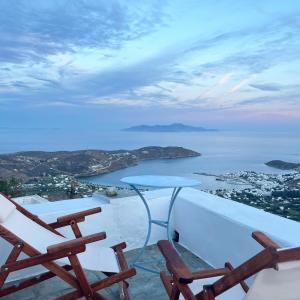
33, 164
283, 165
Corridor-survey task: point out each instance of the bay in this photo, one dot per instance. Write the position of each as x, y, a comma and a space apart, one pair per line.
222, 151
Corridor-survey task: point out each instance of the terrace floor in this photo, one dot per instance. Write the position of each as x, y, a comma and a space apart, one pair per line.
142, 285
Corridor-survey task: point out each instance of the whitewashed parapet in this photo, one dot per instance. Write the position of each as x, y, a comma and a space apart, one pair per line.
219, 230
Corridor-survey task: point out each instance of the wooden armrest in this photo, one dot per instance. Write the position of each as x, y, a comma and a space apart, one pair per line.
288, 254
174, 262
119, 247
267, 258
243, 283
210, 273
82, 241
78, 217
264, 240
40, 259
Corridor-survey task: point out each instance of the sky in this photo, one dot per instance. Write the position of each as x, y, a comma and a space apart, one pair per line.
109, 64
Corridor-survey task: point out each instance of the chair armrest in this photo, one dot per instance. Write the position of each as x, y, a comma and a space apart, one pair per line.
47, 257
71, 244
267, 258
119, 247
174, 262
288, 254
264, 240
243, 283
210, 273
77, 217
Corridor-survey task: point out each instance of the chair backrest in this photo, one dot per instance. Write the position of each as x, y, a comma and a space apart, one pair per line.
276, 271
26, 229
277, 284
6, 208
264, 259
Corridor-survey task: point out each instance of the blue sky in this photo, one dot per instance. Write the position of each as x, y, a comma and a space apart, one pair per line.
227, 64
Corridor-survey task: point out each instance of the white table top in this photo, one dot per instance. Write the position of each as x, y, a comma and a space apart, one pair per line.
160, 181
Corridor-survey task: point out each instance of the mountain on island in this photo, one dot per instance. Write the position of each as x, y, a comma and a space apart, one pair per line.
34, 164
283, 165
175, 127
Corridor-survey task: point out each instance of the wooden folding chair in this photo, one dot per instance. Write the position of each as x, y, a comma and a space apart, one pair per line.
44, 245
277, 276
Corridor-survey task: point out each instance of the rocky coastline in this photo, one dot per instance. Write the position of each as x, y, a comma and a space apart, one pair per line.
31, 165
283, 165
55, 175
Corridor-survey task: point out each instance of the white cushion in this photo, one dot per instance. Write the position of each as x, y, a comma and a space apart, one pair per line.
288, 265
97, 258
32, 233
94, 258
270, 284
235, 293
6, 208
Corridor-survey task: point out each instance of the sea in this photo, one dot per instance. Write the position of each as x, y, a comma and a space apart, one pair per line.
222, 151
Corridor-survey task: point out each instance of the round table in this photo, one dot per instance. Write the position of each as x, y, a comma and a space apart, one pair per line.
155, 181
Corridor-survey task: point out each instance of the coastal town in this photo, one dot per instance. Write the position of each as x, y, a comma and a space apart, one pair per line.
60, 175
275, 193
61, 187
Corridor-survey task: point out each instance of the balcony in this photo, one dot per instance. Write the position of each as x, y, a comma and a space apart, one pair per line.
211, 234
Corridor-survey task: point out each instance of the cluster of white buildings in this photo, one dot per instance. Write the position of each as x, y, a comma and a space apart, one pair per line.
275, 193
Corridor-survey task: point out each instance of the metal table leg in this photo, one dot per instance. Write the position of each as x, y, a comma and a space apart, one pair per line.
136, 263
165, 224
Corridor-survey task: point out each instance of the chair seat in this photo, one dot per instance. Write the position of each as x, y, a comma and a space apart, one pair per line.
96, 258
270, 284
235, 293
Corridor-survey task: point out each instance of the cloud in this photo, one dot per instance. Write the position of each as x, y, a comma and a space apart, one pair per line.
56, 104
238, 86
113, 53
255, 48
33, 30
270, 87
215, 87
45, 48
224, 79
291, 98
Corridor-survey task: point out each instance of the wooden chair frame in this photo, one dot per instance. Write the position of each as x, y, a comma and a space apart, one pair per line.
68, 249
180, 276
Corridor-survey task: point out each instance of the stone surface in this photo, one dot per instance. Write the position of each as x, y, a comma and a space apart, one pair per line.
143, 286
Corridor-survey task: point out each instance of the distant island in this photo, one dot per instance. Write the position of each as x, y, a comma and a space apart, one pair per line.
175, 127
35, 164
283, 165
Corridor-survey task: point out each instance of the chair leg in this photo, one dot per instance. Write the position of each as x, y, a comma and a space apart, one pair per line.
124, 294
29, 282
175, 293
206, 294
101, 284
78, 294
167, 282
98, 297
118, 249
112, 278
13, 256
80, 275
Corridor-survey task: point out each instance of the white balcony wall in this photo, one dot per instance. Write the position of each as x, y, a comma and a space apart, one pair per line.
219, 230
215, 229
